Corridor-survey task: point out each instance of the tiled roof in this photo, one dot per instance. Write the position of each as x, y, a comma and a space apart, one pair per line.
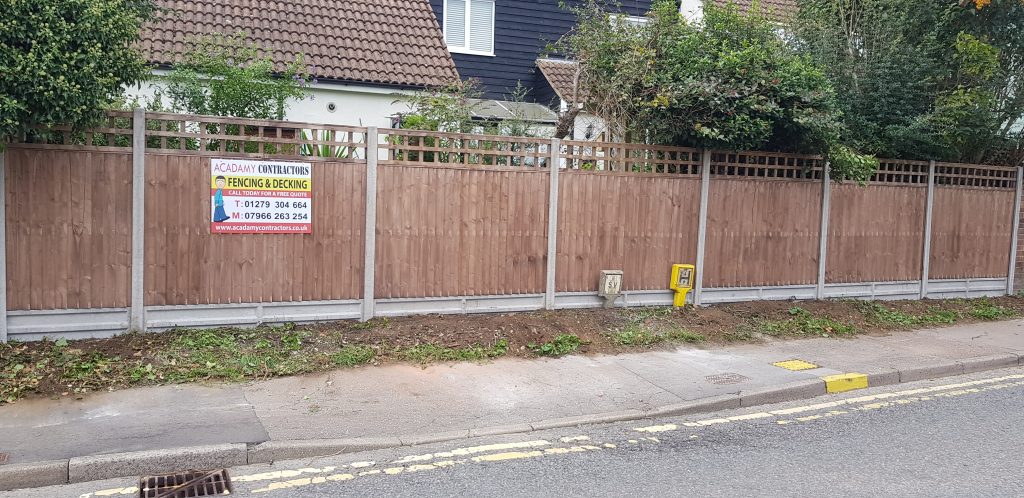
777, 10
561, 75
392, 42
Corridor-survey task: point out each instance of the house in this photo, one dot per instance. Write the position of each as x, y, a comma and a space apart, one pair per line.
499, 42
363, 53
777, 10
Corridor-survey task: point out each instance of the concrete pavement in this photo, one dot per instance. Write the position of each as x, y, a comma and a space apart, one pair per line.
954, 436
380, 407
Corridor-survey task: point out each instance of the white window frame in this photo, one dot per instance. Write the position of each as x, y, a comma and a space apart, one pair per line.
628, 19
469, 16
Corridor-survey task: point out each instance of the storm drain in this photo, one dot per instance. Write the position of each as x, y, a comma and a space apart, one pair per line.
186, 484
726, 378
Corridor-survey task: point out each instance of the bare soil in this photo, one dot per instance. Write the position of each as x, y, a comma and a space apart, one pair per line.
64, 368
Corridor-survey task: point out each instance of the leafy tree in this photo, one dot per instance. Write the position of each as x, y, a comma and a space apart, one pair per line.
922, 80
63, 61
730, 81
445, 108
225, 75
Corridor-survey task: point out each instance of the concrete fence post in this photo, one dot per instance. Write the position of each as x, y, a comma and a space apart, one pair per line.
370, 231
826, 202
554, 165
137, 314
1011, 271
702, 225
927, 253
3, 245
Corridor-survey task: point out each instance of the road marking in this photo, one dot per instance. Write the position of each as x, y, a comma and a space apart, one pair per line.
878, 405
796, 365
471, 451
541, 448
392, 471
281, 474
112, 492
657, 428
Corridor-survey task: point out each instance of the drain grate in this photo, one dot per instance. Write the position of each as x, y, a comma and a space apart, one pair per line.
4, 457
726, 378
189, 484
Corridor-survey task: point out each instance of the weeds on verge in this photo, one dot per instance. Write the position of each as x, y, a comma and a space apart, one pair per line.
427, 353
352, 355
803, 323
640, 336
983, 309
559, 346
639, 333
886, 317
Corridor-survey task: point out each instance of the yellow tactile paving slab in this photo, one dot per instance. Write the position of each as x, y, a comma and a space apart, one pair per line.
795, 365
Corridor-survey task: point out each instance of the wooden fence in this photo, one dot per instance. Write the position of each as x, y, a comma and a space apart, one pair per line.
460, 215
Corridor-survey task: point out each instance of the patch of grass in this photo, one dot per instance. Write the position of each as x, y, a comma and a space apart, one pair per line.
561, 345
683, 335
20, 373
742, 334
642, 336
375, 323
803, 323
234, 354
983, 309
430, 353
884, 316
640, 315
636, 335
887, 317
936, 316
352, 355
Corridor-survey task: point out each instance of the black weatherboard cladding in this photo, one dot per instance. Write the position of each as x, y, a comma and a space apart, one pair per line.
522, 31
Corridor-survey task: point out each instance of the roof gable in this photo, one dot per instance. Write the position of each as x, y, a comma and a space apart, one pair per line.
389, 42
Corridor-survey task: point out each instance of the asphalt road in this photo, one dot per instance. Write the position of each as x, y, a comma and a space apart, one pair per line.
957, 436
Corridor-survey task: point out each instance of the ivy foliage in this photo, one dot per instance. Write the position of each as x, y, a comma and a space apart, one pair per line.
730, 81
63, 61
923, 80
226, 75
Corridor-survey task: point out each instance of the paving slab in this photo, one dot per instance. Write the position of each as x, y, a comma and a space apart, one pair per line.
693, 374
122, 421
1007, 335
399, 400
865, 355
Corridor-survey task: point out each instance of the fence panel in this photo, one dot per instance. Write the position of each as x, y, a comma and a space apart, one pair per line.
762, 232
186, 264
876, 233
971, 231
453, 231
68, 228
640, 224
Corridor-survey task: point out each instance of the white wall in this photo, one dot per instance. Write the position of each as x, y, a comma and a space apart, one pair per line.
583, 122
693, 10
355, 105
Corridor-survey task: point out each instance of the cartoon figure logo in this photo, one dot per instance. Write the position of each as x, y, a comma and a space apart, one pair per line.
218, 201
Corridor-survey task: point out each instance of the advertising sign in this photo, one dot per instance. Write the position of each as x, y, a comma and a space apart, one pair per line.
261, 196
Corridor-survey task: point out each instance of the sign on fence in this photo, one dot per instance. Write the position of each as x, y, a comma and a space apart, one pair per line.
261, 196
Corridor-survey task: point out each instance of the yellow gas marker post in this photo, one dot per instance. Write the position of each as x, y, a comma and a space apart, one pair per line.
682, 283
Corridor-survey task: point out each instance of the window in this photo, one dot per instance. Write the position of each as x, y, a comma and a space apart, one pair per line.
469, 26
630, 20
